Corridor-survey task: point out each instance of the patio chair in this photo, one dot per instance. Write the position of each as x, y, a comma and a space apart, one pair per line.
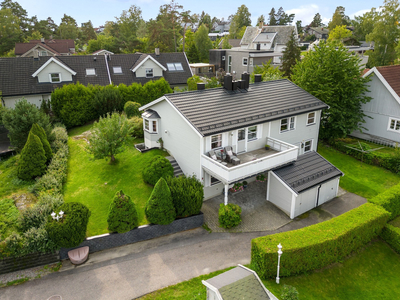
230, 155
213, 155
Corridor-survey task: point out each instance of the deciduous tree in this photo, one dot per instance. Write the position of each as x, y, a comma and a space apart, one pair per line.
10, 31
239, 20
68, 28
339, 33
339, 18
203, 43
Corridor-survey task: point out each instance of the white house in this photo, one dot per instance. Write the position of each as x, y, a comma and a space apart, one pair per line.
245, 117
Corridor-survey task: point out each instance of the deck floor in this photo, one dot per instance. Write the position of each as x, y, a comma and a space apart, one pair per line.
253, 155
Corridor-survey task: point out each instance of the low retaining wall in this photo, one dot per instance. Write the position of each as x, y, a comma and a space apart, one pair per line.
142, 233
13, 264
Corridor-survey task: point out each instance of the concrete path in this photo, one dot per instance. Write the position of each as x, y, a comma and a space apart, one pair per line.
131, 271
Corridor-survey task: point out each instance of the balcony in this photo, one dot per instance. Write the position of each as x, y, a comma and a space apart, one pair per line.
253, 162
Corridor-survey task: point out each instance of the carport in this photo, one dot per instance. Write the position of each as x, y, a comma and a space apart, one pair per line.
303, 185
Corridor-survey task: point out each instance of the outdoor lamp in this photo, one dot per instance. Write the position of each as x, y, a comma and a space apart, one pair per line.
279, 260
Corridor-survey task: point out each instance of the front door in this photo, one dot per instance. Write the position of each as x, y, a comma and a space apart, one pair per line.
241, 142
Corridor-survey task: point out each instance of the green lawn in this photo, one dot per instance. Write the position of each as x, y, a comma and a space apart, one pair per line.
95, 182
372, 273
10, 183
380, 148
361, 179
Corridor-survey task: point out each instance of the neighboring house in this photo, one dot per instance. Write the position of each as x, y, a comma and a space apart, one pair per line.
222, 26
238, 283
36, 78
360, 51
232, 43
217, 35
277, 113
319, 32
102, 52
382, 121
257, 46
202, 69
45, 48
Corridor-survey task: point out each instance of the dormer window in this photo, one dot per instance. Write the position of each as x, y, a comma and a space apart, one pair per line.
43, 53
149, 73
90, 71
55, 77
117, 70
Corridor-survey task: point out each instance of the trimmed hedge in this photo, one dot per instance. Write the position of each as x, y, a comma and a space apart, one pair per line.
318, 245
158, 167
389, 200
391, 235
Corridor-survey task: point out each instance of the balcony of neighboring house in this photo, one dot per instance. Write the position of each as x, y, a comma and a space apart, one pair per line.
249, 163
203, 69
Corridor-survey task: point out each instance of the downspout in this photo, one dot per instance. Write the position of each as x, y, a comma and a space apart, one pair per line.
318, 195
108, 70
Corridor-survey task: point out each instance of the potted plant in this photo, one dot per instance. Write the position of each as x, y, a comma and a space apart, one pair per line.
236, 187
245, 184
267, 147
261, 177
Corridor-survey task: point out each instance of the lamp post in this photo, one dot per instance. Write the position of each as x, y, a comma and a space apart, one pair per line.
279, 261
57, 216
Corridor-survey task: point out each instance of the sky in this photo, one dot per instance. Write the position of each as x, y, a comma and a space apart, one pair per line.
101, 11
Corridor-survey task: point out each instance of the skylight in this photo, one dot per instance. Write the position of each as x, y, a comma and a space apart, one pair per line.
117, 70
90, 71
174, 67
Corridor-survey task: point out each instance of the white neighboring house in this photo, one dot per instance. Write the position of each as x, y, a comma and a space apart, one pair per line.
277, 113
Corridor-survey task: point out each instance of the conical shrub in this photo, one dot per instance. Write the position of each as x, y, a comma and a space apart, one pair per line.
122, 214
39, 131
32, 161
160, 208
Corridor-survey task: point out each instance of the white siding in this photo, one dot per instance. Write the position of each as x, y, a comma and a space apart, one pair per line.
328, 191
34, 99
52, 67
279, 194
305, 201
149, 64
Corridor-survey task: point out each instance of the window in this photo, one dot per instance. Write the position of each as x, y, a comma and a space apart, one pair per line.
171, 67
252, 133
394, 124
214, 180
241, 135
216, 141
146, 124
311, 118
229, 64
174, 67
55, 77
90, 71
43, 53
154, 126
244, 61
117, 70
307, 146
287, 124
149, 73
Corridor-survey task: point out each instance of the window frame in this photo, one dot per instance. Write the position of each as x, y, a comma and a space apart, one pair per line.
154, 126
216, 181
290, 123
150, 125
90, 69
59, 77
148, 70
249, 139
245, 61
305, 146
313, 118
146, 125
229, 63
395, 124
115, 67
218, 141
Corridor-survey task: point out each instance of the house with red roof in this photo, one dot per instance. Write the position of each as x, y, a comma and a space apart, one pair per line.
45, 48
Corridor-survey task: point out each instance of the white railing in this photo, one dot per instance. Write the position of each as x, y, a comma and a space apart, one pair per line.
288, 153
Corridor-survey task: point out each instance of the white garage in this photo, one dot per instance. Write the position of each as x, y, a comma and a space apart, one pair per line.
303, 185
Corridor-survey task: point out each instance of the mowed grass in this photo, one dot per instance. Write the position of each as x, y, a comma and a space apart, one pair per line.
95, 182
9, 181
360, 178
371, 273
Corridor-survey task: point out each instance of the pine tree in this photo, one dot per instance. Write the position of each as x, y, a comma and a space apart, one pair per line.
272, 17
122, 214
32, 161
291, 55
41, 134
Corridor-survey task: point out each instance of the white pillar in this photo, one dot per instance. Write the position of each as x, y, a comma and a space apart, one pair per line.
226, 194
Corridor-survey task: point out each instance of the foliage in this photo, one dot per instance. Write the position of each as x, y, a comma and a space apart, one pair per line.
267, 71
203, 43
212, 83
225, 43
102, 42
160, 208
39, 132
19, 121
289, 293
158, 167
68, 28
240, 19
389, 200
339, 33
363, 25
69, 231
32, 161
229, 215
391, 235
187, 195
317, 21
261, 177
338, 18
132, 109
107, 99
136, 127
333, 75
8, 217
108, 136
60, 137
237, 187
291, 55
192, 82
122, 214
10, 31
37, 240
318, 245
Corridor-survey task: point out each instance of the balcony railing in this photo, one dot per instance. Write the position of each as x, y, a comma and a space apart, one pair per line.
287, 153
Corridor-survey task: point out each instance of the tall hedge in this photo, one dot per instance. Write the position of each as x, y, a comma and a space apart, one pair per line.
70, 231
32, 162
132, 109
391, 235
318, 245
160, 208
41, 134
389, 200
187, 194
122, 214
158, 167
107, 99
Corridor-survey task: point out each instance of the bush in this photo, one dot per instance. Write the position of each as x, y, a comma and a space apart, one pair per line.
160, 208
158, 167
391, 235
32, 161
37, 240
60, 135
122, 214
12, 246
136, 127
132, 109
289, 293
187, 195
70, 231
39, 132
389, 200
318, 245
229, 215
107, 99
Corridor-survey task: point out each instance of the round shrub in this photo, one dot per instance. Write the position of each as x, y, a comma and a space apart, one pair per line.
132, 109
289, 293
187, 195
229, 215
39, 132
37, 240
32, 161
160, 208
136, 127
122, 214
158, 167
69, 231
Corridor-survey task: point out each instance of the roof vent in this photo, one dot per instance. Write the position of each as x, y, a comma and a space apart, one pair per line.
42, 40
201, 86
257, 78
94, 58
228, 82
246, 79
157, 51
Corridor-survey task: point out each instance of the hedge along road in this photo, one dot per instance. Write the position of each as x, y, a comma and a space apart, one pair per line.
134, 270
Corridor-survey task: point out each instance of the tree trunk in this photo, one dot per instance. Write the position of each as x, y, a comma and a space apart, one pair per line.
112, 158
183, 42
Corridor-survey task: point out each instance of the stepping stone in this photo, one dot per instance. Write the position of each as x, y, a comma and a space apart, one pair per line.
79, 256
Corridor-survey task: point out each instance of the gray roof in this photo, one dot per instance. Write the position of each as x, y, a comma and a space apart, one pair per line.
309, 170
265, 37
217, 110
321, 30
16, 72
249, 35
283, 33
238, 283
151, 114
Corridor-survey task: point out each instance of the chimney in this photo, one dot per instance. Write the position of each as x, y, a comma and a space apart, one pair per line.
246, 79
234, 85
241, 84
35, 54
108, 56
261, 24
157, 51
228, 82
201, 86
42, 40
257, 78
94, 57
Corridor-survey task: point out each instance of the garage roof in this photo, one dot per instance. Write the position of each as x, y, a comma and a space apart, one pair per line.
307, 171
